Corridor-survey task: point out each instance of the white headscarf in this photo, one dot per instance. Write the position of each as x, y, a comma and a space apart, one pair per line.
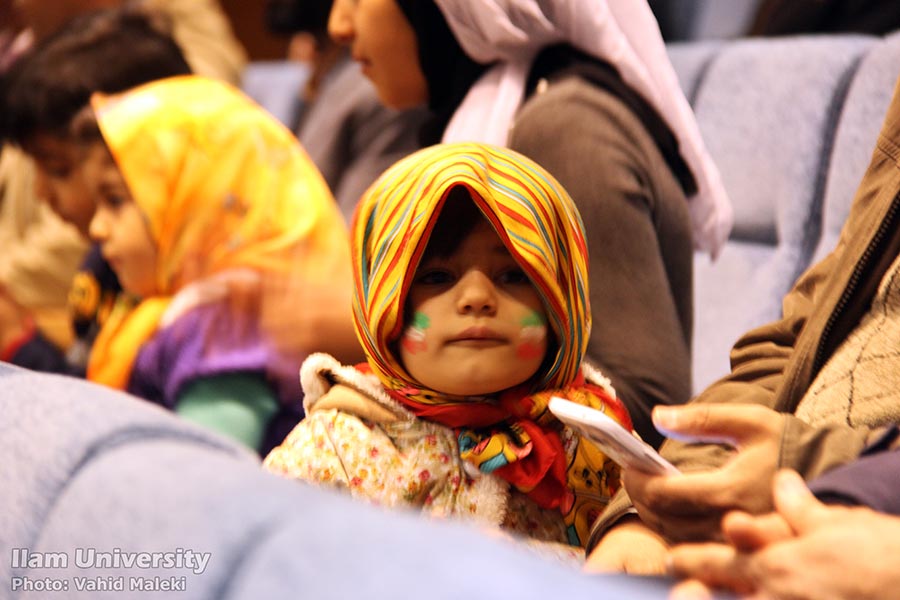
623, 33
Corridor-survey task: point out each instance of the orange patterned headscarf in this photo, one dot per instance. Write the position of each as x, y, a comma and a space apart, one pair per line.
225, 188
527, 207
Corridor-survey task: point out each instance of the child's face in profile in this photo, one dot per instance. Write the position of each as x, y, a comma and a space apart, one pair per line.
119, 225
476, 323
59, 180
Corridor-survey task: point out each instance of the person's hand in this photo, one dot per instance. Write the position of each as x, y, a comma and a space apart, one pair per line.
806, 551
630, 547
690, 506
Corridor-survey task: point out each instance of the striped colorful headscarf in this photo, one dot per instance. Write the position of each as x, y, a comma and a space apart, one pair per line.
226, 189
513, 435
527, 207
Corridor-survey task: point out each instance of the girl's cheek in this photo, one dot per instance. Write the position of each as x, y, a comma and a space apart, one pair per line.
532, 338
414, 340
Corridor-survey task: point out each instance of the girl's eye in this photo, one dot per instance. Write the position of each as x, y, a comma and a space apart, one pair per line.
113, 200
434, 277
514, 276
57, 171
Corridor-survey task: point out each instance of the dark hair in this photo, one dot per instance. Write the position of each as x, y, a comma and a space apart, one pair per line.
293, 16
457, 219
448, 70
107, 51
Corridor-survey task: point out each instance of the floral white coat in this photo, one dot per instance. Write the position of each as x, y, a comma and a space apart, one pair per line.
356, 437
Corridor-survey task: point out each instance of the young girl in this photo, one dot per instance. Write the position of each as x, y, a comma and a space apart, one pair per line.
472, 306
584, 88
224, 236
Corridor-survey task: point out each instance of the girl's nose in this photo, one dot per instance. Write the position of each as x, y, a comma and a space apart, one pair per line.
42, 188
340, 22
97, 229
476, 294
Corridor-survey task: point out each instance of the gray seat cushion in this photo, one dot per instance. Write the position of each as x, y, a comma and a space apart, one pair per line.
691, 61
90, 473
864, 109
767, 110
276, 86
54, 428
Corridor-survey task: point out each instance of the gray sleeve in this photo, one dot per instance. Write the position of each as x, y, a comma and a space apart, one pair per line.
352, 138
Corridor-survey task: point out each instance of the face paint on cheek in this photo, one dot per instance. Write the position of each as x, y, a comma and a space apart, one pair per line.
532, 337
413, 340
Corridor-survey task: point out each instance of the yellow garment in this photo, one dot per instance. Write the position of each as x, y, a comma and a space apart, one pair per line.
224, 188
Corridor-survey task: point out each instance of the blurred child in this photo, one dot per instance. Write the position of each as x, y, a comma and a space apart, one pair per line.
41, 252
471, 303
104, 51
224, 236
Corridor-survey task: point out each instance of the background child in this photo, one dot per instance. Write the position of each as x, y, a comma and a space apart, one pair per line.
104, 51
41, 252
215, 222
472, 306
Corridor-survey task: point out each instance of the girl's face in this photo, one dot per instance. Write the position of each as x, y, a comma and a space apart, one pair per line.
59, 179
476, 325
119, 225
384, 43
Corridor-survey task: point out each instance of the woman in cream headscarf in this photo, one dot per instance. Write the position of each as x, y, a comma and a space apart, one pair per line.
472, 306
585, 88
232, 250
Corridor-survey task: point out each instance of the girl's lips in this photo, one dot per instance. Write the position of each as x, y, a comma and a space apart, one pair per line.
478, 334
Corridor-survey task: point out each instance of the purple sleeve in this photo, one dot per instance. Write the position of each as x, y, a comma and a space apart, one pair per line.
206, 342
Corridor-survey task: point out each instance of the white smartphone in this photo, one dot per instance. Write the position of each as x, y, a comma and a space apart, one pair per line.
616, 441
